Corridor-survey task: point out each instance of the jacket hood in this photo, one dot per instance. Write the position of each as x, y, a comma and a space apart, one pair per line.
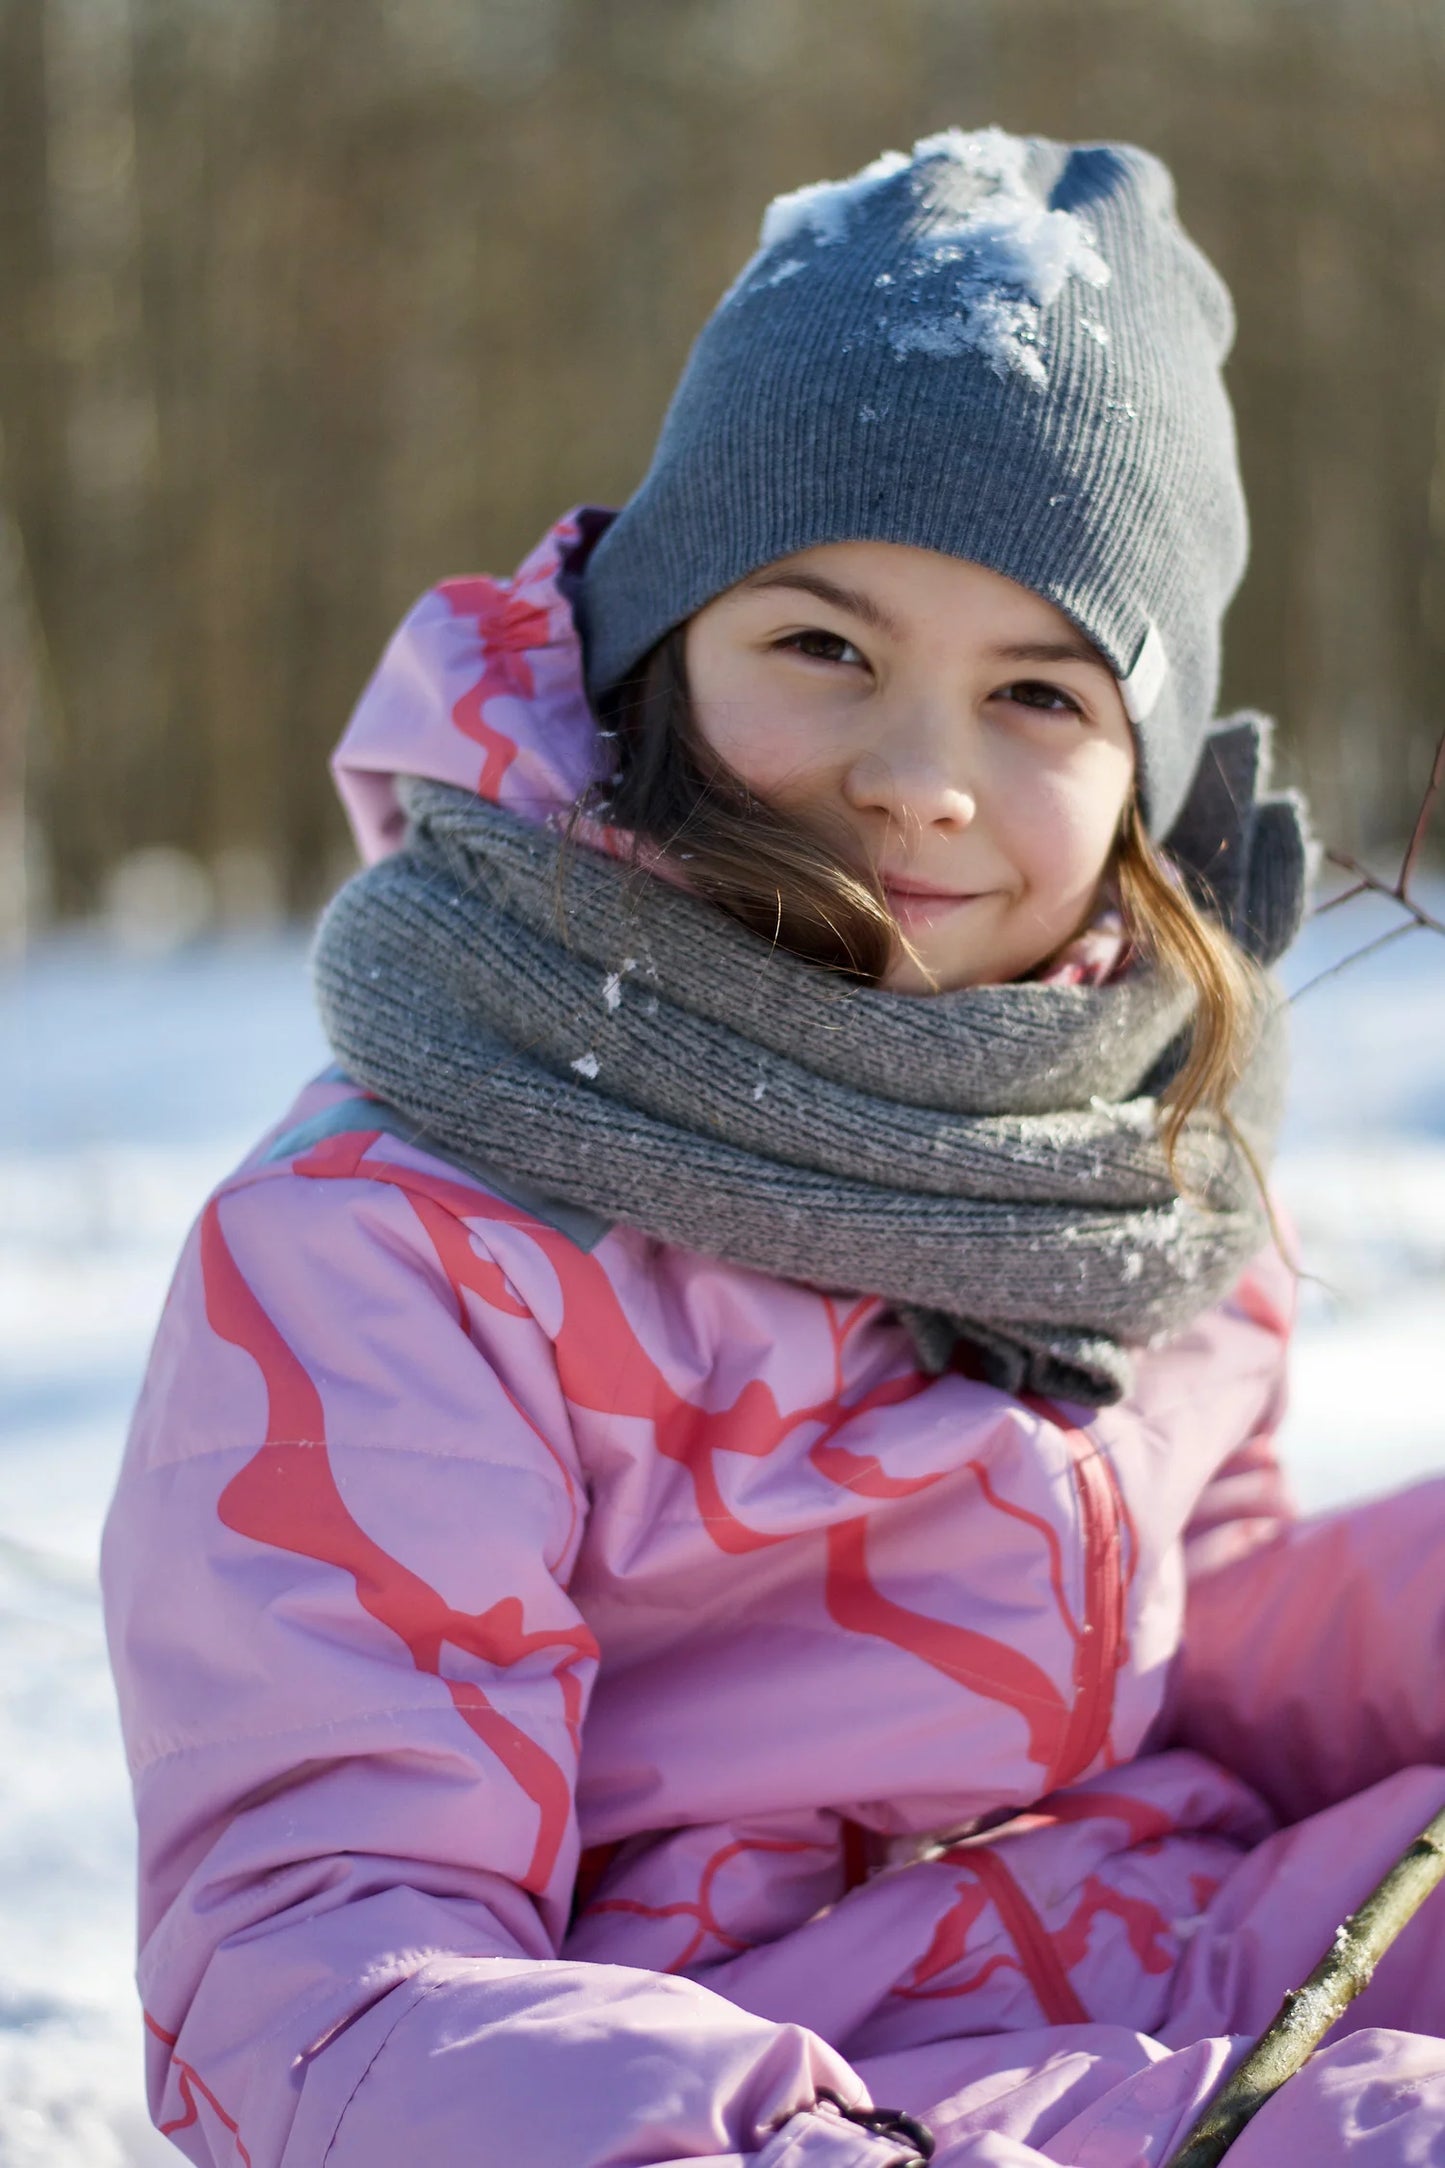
480, 686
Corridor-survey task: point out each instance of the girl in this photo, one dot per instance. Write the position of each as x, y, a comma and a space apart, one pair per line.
701, 1548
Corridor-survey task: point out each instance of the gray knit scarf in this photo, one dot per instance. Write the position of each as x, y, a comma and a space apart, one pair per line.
986, 1160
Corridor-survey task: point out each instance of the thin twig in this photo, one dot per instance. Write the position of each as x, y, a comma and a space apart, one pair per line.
1372, 882
1422, 819
1380, 941
1346, 895
1308, 2012
1398, 891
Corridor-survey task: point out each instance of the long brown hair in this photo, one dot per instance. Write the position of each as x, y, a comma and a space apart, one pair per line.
802, 886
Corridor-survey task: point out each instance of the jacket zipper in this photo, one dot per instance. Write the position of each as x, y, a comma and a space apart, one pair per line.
1099, 1650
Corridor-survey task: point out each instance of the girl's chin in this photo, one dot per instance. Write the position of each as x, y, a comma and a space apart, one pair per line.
952, 943
923, 974
937, 968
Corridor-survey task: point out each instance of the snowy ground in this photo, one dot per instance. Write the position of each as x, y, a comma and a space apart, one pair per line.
141, 1080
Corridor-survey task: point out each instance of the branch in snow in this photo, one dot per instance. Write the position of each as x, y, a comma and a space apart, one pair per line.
1308, 2012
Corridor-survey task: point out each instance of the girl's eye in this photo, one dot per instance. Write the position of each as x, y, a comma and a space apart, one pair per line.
1047, 699
821, 646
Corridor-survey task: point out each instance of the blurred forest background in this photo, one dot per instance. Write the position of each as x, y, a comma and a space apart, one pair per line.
305, 306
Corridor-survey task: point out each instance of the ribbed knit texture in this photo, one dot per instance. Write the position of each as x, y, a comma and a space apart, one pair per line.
984, 1159
1004, 349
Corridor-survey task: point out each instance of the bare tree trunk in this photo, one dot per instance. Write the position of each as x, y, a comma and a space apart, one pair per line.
26, 701
102, 613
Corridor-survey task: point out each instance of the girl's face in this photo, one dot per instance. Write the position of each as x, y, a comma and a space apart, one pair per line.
967, 735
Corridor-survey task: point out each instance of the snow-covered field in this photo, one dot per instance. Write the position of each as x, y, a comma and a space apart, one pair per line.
140, 1080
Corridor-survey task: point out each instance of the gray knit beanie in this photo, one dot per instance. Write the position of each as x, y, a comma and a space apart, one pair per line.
999, 347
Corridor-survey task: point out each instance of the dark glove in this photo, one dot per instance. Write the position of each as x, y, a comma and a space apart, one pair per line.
1246, 854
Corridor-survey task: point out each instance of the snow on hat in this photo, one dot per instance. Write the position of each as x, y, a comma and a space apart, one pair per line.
1000, 347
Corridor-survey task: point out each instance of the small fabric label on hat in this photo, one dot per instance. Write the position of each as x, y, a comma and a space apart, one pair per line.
1142, 687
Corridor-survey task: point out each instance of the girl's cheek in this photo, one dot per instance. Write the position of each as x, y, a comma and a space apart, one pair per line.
765, 740
728, 718
1067, 838
761, 755
1087, 795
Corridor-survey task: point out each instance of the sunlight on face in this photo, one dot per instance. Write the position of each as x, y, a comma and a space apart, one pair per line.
962, 731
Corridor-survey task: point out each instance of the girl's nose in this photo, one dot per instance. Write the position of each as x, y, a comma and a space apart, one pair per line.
914, 783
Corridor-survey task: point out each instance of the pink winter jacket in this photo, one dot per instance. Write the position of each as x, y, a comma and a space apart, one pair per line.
591, 1707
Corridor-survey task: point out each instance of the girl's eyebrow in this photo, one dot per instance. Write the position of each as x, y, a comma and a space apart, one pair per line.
1077, 649
852, 599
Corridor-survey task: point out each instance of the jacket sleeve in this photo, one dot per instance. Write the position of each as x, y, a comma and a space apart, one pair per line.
353, 1686
1313, 1654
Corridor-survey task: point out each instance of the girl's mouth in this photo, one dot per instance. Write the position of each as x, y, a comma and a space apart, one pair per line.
917, 906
